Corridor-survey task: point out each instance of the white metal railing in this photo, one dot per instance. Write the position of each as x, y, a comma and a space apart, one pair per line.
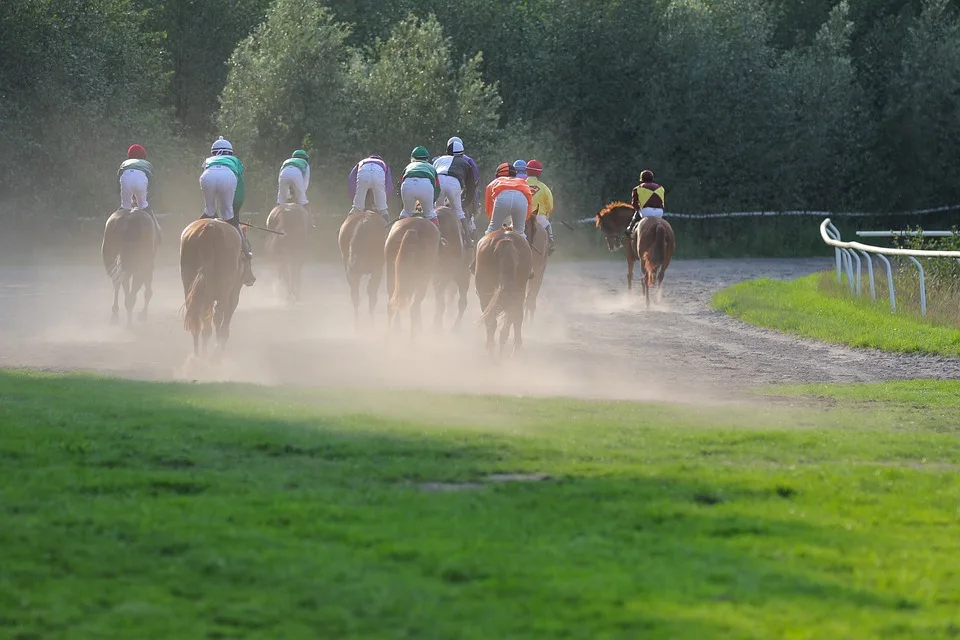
847, 253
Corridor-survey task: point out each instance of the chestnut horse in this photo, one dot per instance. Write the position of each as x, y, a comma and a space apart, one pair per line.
453, 267
362, 238
538, 243
652, 242
129, 249
289, 250
504, 260
411, 253
210, 270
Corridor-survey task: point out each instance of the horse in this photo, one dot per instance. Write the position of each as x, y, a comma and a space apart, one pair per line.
652, 241
537, 235
211, 271
129, 250
504, 260
289, 250
362, 238
411, 252
453, 267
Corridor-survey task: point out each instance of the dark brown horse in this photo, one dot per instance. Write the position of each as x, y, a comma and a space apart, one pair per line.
288, 251
537, 236
362, 237
211, 271
129, 249
411, 253
453, 267
504, 260
652, 242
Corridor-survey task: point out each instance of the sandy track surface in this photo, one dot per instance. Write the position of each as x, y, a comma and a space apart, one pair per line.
589, 339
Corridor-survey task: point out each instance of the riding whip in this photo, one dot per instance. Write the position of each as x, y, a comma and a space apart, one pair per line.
253, 226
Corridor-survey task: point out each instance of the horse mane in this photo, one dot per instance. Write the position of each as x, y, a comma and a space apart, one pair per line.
609, 209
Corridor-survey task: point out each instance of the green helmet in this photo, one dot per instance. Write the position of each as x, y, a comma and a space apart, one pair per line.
300, 153
420, 153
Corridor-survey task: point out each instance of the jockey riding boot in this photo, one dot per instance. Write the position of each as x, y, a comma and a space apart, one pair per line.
632, 225
385, 215
553, 243
156, 223
466, 232
246, 255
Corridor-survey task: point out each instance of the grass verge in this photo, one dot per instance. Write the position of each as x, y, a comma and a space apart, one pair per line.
144, 510
813, 308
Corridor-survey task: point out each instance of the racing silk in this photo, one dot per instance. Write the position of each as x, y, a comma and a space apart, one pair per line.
424, 170
352, 178
233, 163
301, 164
464, 169
139, 165
542, 196
648, 194
500, 185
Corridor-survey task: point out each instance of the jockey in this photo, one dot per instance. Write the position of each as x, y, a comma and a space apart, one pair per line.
294, 179
459, 178
542, 200
647, 199
520, 168
420, 182
508, 197
134, 176
370, 174
222, 186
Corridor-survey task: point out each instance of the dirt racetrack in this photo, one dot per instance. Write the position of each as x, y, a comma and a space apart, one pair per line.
589, 339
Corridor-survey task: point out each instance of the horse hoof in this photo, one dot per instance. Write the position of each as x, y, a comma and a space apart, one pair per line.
115, 319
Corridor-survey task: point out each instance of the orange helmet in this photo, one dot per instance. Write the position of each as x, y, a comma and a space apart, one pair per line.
504, 170
136, 151
534, 167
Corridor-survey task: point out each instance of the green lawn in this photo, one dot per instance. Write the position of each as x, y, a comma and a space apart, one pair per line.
142, 510
811, 308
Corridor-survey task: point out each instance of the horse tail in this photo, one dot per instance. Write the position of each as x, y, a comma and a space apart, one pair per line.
654, 257
403, 287
353, 249
508, 259
201, 293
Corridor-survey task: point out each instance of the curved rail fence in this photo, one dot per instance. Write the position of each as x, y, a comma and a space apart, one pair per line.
848, 256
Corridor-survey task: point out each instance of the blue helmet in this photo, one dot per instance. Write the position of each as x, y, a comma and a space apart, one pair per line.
520, 166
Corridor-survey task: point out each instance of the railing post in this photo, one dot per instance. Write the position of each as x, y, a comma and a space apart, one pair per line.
873, 286
923, 288
854, 255
893, 296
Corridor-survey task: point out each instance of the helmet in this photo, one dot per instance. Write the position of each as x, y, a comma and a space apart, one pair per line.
454, 145
300, 153
520, 166
534, 167
504, 170
420, 153
136, 151
221, 147
646, 175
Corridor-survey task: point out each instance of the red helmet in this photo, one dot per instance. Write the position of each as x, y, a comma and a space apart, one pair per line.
136, 151
504, 170
534, 168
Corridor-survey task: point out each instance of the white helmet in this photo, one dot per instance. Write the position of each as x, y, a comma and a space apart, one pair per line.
455, 145
221, 147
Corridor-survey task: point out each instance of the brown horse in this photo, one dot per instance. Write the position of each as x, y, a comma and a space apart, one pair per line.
289, 250
211, 270
453, 267
129, 249
362, 238
652, 241
538, 243
504, 260
411, 252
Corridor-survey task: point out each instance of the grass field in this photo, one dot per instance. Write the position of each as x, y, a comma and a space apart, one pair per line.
814, 307
143, 510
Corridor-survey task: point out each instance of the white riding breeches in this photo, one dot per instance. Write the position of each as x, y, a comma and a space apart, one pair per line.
370, 177
651, 212
413, 189
292, 183
510, 205
450, 189
133, 189
219, 186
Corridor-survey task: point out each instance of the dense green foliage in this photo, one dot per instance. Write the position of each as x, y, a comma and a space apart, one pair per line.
133, 509
818, 307
735, 104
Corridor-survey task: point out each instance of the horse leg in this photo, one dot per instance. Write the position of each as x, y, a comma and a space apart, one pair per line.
196, 344
440, 292
354, 282
462, 285
147, 294
205, 333
518, 329
415, 309
373, 286
629, 272
225, 316
115, 317
130, 296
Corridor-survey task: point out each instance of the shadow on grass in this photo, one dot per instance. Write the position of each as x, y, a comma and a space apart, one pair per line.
130, 503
